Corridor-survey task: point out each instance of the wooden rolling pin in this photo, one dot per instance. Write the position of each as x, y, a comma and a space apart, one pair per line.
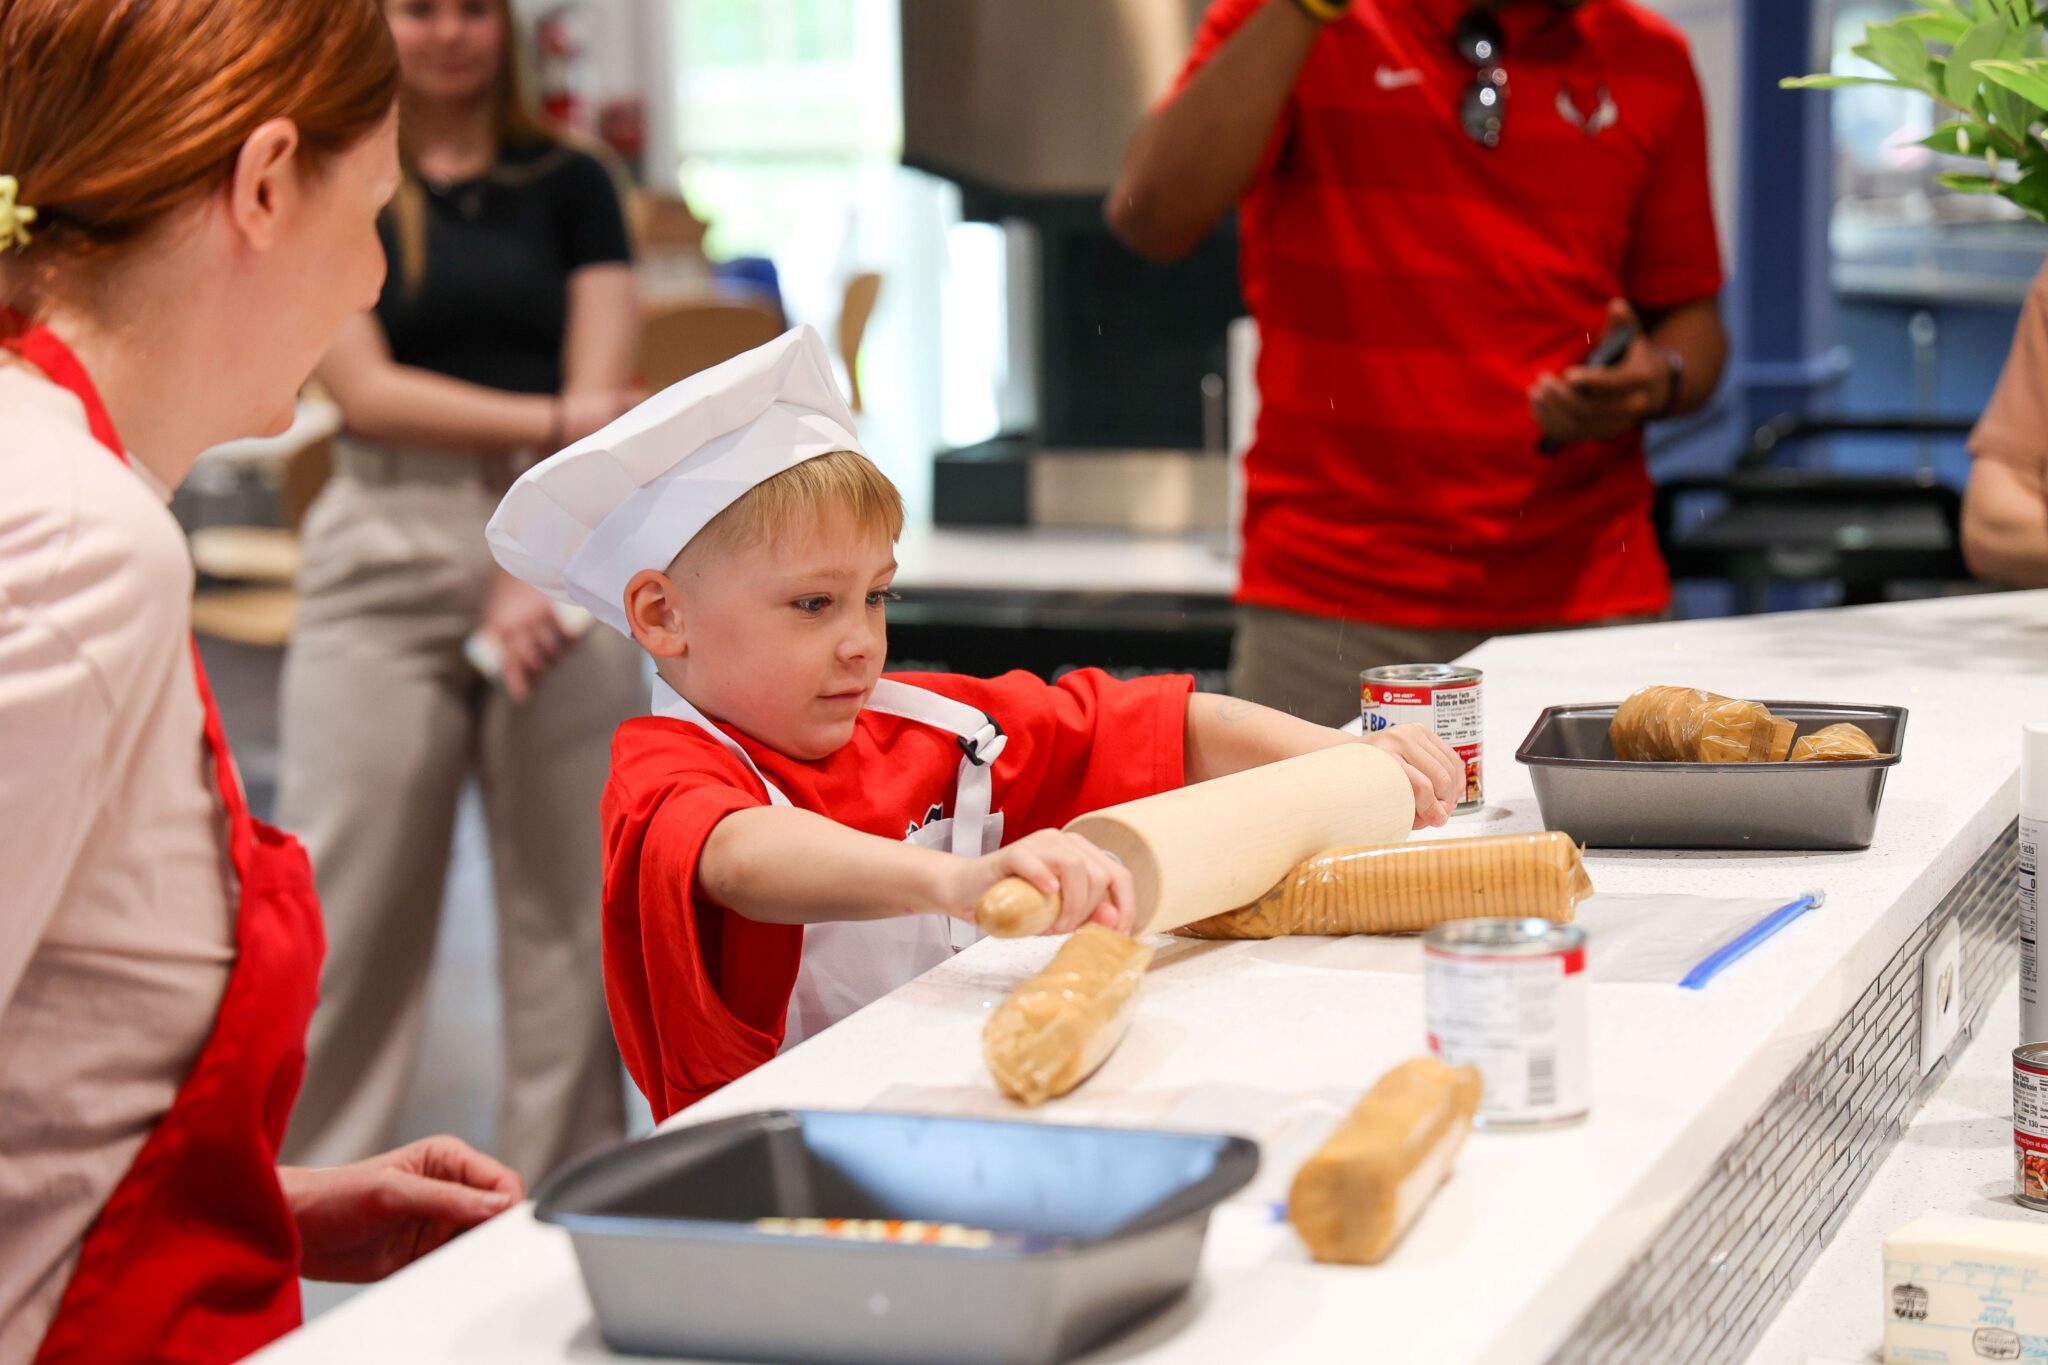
1217, 845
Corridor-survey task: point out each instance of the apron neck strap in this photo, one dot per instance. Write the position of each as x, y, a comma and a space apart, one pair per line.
42, 348
674, 705
979, 737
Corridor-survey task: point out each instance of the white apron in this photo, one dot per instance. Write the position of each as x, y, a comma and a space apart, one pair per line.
852, 963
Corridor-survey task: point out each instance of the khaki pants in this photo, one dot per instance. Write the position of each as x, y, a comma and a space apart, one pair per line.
1309, 665
382, 722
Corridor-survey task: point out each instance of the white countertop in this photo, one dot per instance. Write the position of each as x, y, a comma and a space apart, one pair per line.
1272, 1038
1954, 1157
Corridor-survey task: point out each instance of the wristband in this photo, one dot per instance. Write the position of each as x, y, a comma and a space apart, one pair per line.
1676, 362
1325, 11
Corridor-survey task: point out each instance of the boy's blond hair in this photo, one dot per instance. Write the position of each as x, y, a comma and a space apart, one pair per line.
802, 496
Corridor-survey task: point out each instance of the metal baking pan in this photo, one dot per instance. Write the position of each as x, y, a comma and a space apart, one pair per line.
1096, 1228
1584, 790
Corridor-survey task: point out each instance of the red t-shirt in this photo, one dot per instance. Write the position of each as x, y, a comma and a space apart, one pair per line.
1409, 286
699, 994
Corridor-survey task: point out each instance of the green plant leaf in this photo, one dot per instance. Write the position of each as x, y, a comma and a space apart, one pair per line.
1936, 28
2028, 79
1899, 51
1981, 43
2030, 192
1970, 184
1829, 81
1947, 8
1959, 137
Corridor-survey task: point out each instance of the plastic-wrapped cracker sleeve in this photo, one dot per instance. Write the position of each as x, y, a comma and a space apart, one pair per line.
1690, 725
1365, 1187
1406, 888
1058, 1027
1835, 744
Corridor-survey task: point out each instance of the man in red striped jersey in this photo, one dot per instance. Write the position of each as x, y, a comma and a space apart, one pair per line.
1443, 207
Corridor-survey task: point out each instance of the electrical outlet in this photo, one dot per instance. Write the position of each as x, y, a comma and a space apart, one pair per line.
1941, 995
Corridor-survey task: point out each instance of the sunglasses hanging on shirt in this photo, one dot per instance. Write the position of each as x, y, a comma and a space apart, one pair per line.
1483, 110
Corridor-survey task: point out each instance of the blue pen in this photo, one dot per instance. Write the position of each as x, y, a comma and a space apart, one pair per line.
1711, 965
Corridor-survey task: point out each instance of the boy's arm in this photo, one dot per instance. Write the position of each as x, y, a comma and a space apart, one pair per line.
1226, 735
780, 865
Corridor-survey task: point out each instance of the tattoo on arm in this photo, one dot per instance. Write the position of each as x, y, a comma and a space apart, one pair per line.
1231, 710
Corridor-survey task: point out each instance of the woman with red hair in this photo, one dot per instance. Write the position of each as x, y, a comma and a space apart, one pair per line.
188, 197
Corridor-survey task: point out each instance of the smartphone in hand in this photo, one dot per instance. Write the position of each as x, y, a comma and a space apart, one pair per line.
1606, 354
1609, 350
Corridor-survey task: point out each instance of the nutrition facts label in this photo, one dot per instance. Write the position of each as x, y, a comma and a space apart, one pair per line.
1522, 1022
2033, 1018
1453, 710
1457, 714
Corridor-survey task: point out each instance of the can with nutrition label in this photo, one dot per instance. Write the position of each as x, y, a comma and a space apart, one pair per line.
1445, 697
1509, 996
2030, 1125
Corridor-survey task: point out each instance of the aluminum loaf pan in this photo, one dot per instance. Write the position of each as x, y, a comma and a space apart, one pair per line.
1100, 1226
1584, 790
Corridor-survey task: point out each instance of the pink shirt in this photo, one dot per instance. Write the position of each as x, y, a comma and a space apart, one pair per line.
116, 934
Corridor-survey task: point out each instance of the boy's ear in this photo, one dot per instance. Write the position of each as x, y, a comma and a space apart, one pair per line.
655, 614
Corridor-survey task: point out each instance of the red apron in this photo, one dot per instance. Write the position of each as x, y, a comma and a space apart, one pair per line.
195, 1257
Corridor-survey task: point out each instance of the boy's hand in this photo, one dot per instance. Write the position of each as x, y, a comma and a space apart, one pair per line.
1433, 767
1088, 883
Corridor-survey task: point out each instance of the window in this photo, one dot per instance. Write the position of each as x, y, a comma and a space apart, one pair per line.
779, 105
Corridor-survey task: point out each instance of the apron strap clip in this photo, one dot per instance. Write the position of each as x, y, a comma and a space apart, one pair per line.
984, 745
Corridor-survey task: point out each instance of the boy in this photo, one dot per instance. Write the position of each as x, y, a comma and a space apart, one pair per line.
791, 835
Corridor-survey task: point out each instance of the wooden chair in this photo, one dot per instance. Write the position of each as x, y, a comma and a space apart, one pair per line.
248, 596
665, 222
678, 341
854, 312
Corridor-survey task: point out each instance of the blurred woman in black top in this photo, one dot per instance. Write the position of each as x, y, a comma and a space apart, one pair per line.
507, 328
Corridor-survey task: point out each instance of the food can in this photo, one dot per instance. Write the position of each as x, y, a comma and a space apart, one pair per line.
1509, 996
2030, 1125
1445, 697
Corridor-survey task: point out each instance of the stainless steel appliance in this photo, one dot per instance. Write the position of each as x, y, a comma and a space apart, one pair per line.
1028, 105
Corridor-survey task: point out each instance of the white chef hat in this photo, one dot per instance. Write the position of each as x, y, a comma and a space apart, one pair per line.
581, 523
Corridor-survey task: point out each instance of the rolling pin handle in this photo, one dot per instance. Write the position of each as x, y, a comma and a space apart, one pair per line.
1014, 908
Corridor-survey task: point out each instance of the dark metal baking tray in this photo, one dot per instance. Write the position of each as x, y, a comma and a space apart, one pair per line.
1108, 1225
1584, 790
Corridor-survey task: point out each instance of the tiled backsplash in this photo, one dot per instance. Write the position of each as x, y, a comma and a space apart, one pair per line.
1717, 1274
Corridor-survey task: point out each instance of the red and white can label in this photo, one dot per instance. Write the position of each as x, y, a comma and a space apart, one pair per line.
1451, 708
1521, 1020
2030, 1126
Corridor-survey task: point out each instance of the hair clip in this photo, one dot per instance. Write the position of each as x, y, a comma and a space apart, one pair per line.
14, 216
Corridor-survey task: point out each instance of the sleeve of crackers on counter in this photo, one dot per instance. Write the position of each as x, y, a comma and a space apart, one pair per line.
1692, 725
1406, 888
1364, 1188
